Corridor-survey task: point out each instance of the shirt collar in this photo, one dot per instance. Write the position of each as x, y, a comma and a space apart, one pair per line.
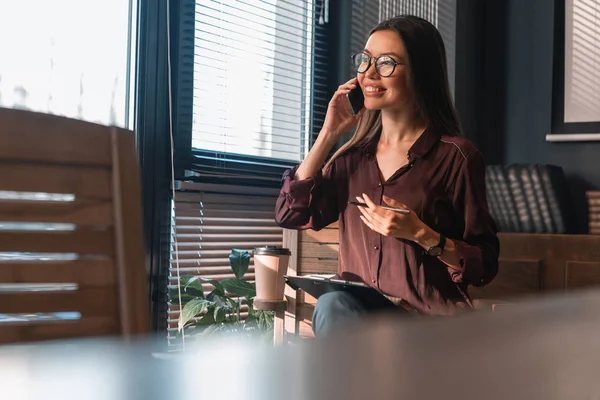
420, 148
424, 143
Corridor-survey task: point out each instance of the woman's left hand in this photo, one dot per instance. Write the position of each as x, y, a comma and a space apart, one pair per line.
390, 223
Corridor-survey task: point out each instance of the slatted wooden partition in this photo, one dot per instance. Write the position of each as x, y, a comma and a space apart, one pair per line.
71, 247
529, 264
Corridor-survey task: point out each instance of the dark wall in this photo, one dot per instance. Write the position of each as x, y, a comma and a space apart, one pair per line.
469, 70
510, 114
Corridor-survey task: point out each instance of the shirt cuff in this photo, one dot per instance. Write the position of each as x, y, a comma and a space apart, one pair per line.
471, 261
299, 192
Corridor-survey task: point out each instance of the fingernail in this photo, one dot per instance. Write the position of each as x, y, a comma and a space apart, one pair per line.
358, 198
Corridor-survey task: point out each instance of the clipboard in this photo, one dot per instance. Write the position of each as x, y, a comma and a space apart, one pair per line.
316, 286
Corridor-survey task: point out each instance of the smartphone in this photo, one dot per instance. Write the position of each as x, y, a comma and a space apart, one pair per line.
356, 98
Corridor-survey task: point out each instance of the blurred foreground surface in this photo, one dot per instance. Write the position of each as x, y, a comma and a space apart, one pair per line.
547, 349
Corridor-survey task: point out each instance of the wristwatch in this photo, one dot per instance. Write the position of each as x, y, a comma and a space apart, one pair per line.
438, 249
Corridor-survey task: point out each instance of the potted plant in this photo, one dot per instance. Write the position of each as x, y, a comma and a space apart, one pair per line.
220, 310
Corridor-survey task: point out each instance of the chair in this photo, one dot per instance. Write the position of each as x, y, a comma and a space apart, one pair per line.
71, 247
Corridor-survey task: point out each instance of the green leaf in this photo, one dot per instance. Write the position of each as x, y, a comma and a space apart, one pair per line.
208, 319
190, 330
260, 319
183, 279
266, 319
191, 288
251, 321
218, 287
194, 286
209, 330
185, 297
219, 300
239, 287
239, 261
191, 310
219, 314
235, 305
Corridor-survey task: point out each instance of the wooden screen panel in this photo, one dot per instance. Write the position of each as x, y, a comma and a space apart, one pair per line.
38, 137
515, 278
97, 166
85, 273
582, 274
76, 241
87, 212
304, 318
319, 250
88, 301
318, 265
128, 239
86, 182
53, 330
327, 235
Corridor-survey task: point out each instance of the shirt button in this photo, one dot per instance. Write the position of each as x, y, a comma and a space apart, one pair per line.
374, 280
376, 247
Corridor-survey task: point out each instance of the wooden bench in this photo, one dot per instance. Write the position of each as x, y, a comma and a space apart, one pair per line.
72, 238
529, 264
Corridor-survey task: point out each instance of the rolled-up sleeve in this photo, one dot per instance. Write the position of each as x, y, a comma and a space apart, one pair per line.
479, 248
309, 203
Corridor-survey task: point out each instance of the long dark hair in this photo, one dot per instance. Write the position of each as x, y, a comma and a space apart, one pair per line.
428, 75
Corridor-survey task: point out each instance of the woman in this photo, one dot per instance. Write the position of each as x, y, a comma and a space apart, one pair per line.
407, 153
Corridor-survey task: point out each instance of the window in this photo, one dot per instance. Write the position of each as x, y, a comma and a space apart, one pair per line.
582, 61
253, 65
252, 117
576, 82
67, 57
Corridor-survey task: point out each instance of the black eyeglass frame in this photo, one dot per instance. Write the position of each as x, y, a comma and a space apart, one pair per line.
373, 60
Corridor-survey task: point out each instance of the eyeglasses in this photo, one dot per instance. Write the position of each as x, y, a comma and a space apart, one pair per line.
384, 65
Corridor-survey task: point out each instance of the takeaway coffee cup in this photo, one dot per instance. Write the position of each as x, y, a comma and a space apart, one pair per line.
270, 265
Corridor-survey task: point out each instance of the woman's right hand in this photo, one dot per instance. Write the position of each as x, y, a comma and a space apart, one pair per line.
339, 119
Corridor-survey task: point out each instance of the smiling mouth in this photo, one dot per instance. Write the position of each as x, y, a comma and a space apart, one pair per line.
373, 89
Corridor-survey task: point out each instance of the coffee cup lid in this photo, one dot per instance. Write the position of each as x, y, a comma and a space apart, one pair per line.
271, 251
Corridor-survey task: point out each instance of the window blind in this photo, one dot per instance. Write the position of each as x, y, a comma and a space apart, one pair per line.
368, 13
253, 69
365, 15
582, 61
208, 222
426, 9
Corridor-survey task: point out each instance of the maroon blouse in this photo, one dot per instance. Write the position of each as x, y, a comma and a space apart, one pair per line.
443, 183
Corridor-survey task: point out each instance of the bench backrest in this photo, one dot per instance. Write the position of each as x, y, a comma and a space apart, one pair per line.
71, 247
